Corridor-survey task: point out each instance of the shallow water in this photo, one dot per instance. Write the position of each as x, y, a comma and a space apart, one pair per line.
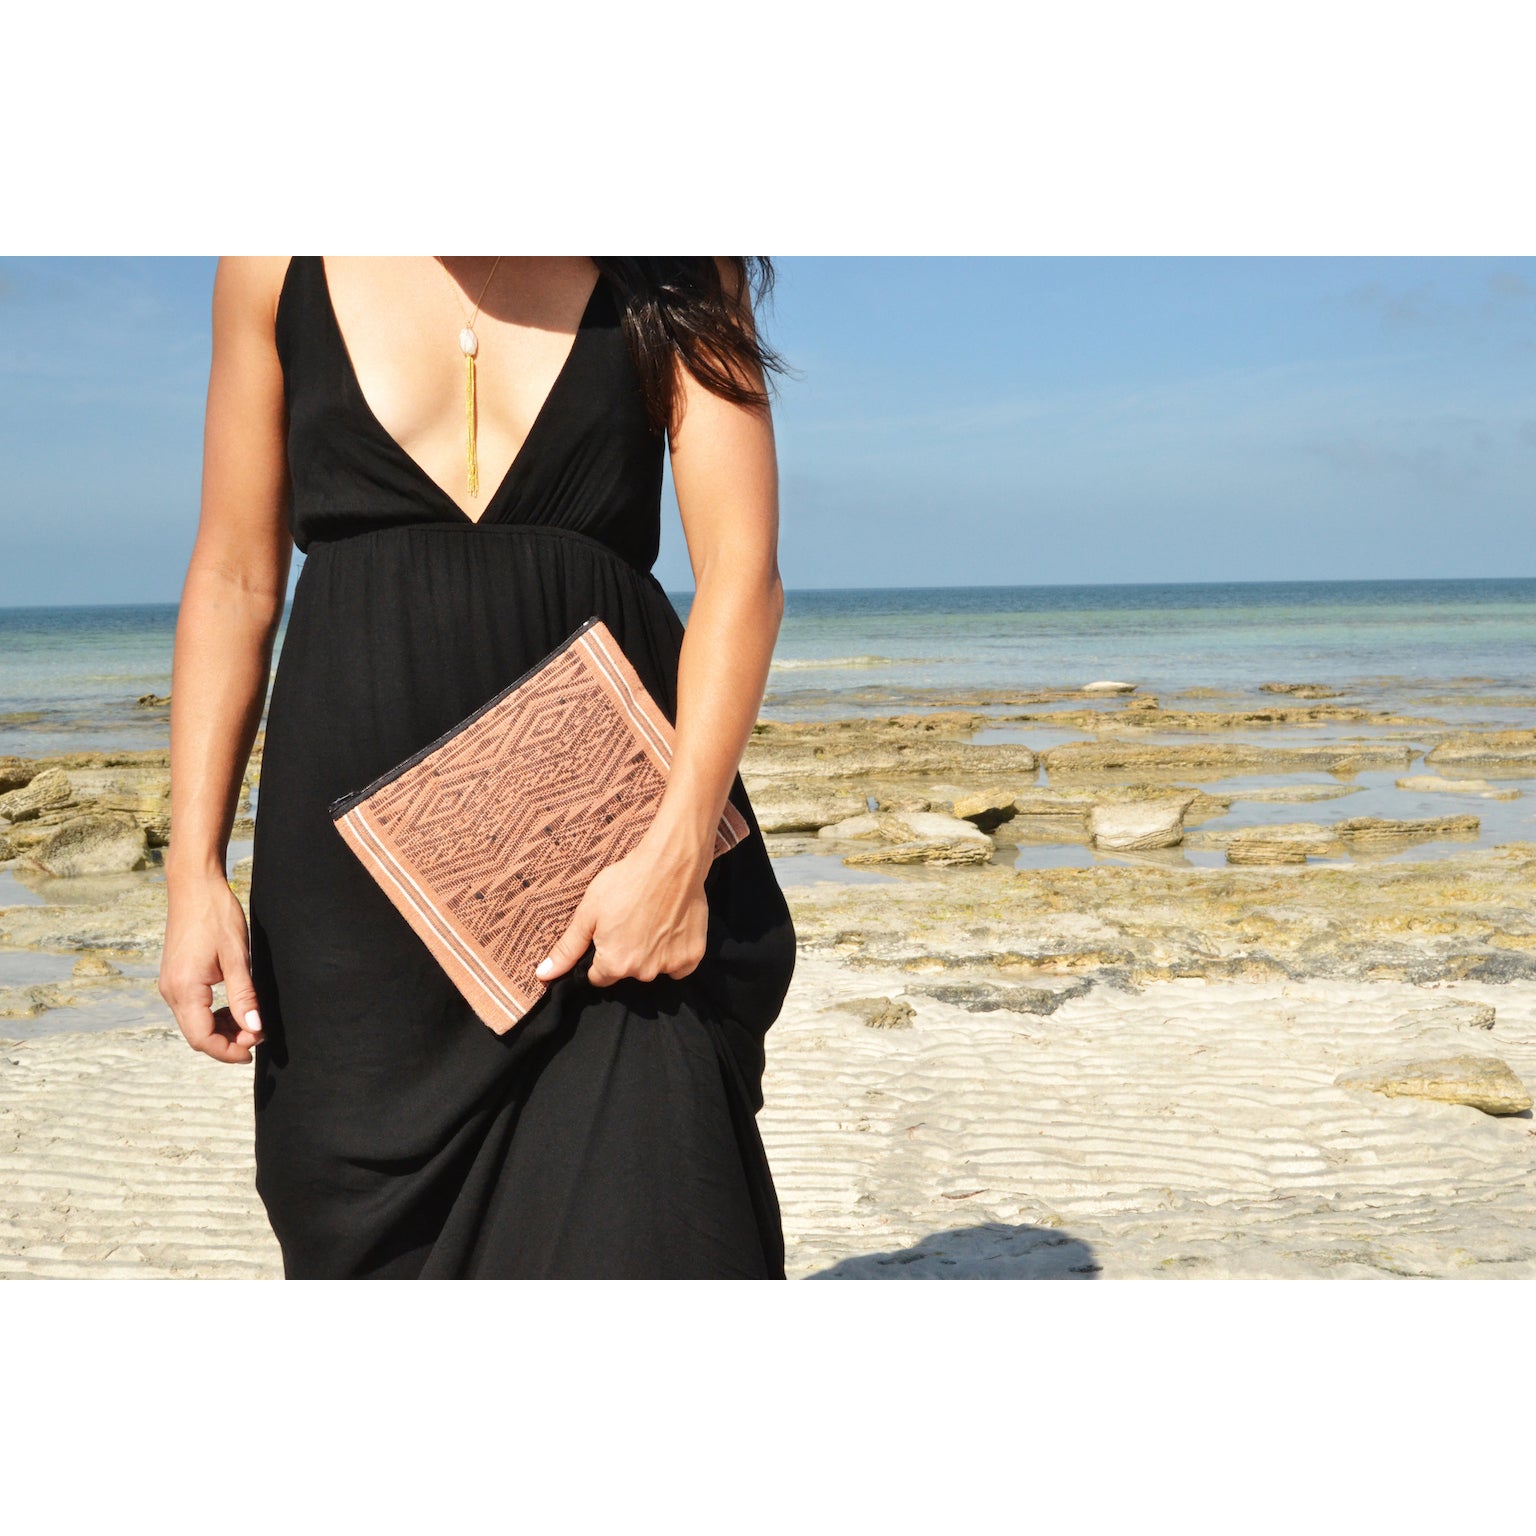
1461, 652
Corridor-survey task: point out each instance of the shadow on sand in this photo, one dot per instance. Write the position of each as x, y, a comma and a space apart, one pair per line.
992, 1251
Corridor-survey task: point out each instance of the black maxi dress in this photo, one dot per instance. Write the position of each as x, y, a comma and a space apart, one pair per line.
612, 1133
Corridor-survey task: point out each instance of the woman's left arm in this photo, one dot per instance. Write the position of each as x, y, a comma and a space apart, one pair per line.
647, 912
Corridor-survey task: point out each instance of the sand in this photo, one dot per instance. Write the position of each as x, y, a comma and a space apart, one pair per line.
1191, 1128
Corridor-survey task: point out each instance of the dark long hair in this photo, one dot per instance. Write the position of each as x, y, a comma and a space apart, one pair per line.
677, 308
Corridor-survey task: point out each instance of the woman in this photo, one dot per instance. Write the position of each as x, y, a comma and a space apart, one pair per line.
452, 539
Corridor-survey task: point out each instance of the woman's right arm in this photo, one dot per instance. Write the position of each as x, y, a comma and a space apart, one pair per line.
231, 604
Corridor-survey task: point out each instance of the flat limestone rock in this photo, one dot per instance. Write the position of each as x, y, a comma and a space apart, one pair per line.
1301, 690
867, 824
1483, 1082
15, 773
908, 826
882, 1012
1458, 1015
1272, 850
1107, 685
1078, 759
1367, 831
1479, 787
935, 824
49, 788
111, 843
1485, 747
960, 850
802, 812
1295, 794
990, 997
1140, 824
986, 808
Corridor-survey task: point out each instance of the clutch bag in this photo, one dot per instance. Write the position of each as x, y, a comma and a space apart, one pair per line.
486, 839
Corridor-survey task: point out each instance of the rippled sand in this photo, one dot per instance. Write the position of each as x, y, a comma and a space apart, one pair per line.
1190, 1129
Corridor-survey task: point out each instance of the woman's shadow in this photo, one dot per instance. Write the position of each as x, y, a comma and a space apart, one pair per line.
990, 1251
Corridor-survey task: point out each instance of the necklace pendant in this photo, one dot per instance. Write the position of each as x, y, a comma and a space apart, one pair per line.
469, 344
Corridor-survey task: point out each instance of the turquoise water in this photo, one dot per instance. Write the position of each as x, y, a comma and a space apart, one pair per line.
69, 676
1396, 640
1461, 652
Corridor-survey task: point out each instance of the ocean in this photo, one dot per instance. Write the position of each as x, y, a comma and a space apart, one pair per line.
69, 677
1462, 652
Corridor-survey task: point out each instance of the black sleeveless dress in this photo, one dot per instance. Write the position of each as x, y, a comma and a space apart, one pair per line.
612, 1132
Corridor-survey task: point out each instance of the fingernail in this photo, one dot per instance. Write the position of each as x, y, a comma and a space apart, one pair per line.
253, 1022
543, 967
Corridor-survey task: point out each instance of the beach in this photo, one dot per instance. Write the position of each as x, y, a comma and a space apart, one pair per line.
1191, 1129
1199, 967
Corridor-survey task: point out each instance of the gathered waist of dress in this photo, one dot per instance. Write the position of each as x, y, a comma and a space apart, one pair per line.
471, 530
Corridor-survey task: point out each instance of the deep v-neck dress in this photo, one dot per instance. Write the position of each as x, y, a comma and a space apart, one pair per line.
613, 1131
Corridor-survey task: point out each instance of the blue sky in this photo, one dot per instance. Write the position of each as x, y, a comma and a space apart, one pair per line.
954, 422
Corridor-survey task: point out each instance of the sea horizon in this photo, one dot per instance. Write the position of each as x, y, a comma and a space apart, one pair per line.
74, 673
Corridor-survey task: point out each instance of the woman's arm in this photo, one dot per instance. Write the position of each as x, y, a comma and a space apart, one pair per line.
231, 604
648, 911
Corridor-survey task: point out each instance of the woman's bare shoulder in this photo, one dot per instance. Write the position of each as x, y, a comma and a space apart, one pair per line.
249, 286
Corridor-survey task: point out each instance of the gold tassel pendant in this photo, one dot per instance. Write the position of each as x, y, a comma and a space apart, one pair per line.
470, 346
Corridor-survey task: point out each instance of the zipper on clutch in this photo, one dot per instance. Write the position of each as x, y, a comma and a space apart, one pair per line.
344, 803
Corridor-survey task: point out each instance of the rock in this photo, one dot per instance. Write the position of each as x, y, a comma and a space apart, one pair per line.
907, 826
1077, 759
8, 849
1146, 714
989, 997
802, 812
866, 825
986, 808
869, 747
1486, 747
1257, 845
936, 825
1141, 824
1293, 794
94, 845
15, 773
153, 700
1384, 831
1483, 1082
963, 850
882, 1012
1078, 800
1301, 690
1271, 850
50, 787
25, 1002
903, 802
95, 965
1457, 1015
1479, 787
898, 804
1109, 687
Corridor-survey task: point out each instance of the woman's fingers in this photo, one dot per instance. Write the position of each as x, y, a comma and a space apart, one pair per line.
191, 1003
570, 946
241, 992
207, 942
634, 932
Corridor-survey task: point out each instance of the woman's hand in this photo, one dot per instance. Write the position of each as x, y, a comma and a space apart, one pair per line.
207, 940
647, 913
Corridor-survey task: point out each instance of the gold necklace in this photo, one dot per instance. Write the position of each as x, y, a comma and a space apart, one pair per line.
469, 345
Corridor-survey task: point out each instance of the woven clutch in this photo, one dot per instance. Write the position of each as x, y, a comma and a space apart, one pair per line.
486, 839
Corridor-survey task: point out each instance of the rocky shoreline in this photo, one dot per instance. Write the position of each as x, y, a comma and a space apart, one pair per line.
963, 894
944, 818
